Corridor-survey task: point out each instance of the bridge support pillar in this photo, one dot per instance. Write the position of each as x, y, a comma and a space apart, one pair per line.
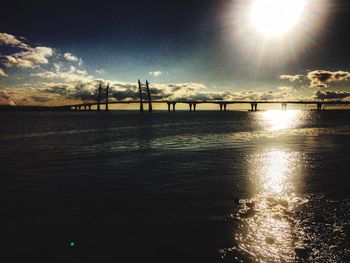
254, 106
169, 103
220, 106
84, 107
284, 106
194, 106
174, 103
319, 106
89, 107
190, 106
225, 106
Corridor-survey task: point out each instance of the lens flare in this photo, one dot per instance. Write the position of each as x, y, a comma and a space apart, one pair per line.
273, 33
276, 17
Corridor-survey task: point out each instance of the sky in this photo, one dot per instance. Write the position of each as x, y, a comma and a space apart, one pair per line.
55, 53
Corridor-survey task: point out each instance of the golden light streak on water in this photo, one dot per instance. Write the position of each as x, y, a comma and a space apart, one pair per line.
267, 221
275, 120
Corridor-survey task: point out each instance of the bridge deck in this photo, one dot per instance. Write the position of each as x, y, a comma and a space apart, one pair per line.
215, 102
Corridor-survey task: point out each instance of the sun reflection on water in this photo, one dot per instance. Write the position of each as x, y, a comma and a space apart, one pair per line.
267, 220
276, 167
266, 230
275, 120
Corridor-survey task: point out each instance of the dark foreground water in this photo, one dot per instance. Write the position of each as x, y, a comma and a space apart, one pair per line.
175, 187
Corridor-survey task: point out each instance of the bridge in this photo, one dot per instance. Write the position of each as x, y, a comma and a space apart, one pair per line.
171, 104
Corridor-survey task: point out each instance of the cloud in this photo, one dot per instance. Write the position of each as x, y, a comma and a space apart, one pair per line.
85, 88
27, 57
100, 71
2, 73
124, 91
70, 57
319, 79
40, 99
30, 58
81, 91
5, 97
292, 78
282, 93
71, 75
332, 95
12, 41
65, 82
155, 73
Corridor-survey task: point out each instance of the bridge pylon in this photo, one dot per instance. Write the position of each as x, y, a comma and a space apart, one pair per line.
107, 90
99, 97
149, 98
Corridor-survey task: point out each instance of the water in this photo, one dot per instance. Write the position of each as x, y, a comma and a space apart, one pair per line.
175, 187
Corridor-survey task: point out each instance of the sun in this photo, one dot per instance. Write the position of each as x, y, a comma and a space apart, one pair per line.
276, 17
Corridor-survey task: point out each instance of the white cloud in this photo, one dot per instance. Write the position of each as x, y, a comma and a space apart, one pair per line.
30, 58
2, 73
100, 71
71, 75
11, 40
70, 57
155, 73
292, 78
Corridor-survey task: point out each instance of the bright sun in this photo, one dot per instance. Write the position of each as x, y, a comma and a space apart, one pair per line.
276, 17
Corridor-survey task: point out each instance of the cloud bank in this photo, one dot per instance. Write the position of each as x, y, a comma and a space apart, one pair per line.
60, 78
332, 95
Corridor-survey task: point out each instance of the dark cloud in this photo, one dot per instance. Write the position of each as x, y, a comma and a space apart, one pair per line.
332, 95
320, 78
40, 99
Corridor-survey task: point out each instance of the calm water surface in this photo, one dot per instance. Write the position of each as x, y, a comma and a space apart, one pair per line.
175, 187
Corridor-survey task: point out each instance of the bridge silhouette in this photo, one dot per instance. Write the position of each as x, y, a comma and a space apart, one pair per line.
191, 103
